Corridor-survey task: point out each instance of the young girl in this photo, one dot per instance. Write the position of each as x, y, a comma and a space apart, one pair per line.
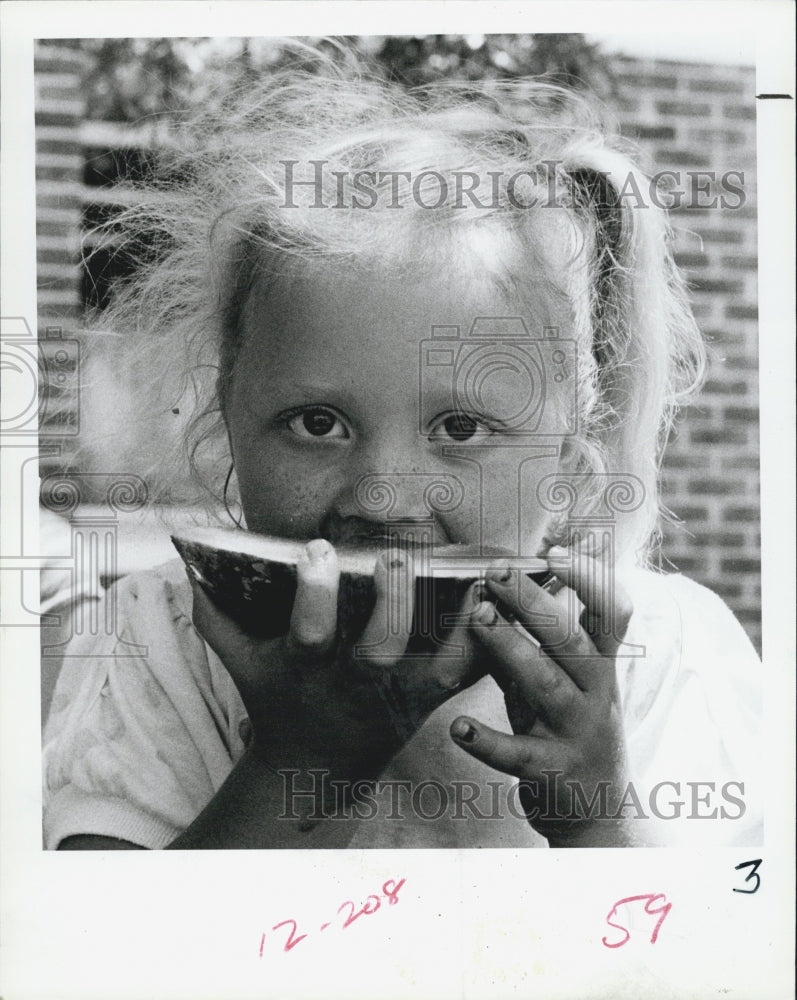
433, 319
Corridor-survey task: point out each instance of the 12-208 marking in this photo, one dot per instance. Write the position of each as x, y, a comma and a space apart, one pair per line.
347, 908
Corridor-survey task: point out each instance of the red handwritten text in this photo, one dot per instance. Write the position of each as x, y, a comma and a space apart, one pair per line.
650, 899
289, 930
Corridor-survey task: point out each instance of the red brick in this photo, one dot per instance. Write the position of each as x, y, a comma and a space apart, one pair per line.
57, 171
741, 512
49, 59
749, 463
712, 285
723, 436
723, 539
741, 261
734, 311
744, 111
716, 387
55, 116
691, 158
712, 487
749, 414
689, 564
724, 235
708, 85
640, 131
692, 513
63, 282
55, 227
686, 109
52, 255
688, 259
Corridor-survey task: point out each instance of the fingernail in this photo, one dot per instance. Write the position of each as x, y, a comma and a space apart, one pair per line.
485, 613
317, 551
500, 573
464, 731
478, 593
559, 557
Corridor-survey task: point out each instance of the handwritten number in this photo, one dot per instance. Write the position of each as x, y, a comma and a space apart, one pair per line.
292, 939
753, 874
392, 893
650, 898
663, 910
390, 890
364, 911
351, 917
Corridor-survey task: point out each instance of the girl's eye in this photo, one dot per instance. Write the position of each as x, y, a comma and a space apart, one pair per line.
317, 423
460, 427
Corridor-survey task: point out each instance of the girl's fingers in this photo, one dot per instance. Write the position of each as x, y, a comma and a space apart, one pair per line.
231, 643
510, 754
456, 665
218, 630
385, 637
518, 663
607, 607
543, 617
315, 610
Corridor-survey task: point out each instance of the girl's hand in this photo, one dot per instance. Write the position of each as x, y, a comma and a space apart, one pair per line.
314, 705
562, 700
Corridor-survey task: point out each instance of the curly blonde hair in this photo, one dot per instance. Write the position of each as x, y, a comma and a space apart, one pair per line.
225, 221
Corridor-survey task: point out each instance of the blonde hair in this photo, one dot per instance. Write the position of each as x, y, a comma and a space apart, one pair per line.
226, 223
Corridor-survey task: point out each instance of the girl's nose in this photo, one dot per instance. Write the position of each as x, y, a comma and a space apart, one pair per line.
399, 495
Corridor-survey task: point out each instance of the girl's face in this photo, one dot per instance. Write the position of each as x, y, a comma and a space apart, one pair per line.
347, 417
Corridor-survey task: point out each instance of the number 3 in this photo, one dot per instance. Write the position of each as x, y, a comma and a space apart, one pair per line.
753, 874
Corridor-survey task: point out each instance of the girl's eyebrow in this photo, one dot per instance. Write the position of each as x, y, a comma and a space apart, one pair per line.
315, 391
315, 387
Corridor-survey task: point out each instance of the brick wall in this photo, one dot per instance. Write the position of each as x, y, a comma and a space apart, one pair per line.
685, 117
694, 117
60, 109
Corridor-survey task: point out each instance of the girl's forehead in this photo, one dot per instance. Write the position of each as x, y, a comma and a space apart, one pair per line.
343, 306
448, 278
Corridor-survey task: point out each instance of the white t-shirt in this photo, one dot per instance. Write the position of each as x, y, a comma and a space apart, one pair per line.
146, 724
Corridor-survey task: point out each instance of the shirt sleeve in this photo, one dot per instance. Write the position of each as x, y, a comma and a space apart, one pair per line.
142, 730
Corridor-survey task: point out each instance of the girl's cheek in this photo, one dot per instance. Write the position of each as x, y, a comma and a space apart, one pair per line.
286, 503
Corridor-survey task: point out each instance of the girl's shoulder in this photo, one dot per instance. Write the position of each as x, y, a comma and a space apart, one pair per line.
687, 608
163, 585
147, 610
684, 644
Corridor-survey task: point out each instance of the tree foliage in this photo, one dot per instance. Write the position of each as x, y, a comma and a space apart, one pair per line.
130, 79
